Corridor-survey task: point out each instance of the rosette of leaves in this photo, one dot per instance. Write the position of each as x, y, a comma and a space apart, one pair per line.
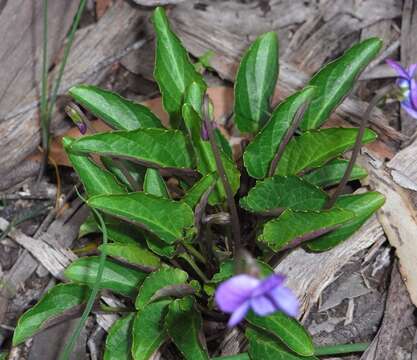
170, 245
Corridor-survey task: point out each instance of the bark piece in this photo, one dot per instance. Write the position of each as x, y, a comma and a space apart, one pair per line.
398, 317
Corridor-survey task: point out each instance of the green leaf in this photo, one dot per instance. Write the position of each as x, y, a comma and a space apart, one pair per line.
206, 162
285, 328
255, 83
332, 172
264, 347
118, 341
281, 192
133, 254
193, 196
154, 184
136, 171
242, 356
159, 247
116, 111
117, 278
62, 299
4, 355
150, 147
183, 323
335, 81
157, 280
173, 69
95, 179
227, 270
262, 149
148, 330
362, 205
169, 220
314, 148
295, 227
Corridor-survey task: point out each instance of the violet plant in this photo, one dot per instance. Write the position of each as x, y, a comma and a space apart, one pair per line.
205, 246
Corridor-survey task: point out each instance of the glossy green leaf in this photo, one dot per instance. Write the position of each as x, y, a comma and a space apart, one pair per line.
119, 339
154, 184
173, 69
264, 347
117, 230
261, 150
255, 83
287, 329
362, 205
194, 96
146, 146
227, 270
242, 356
133, 254
294, 227
193, 195
183, 323
60, 300
205, 158
282, 192
332, 172
169, 220
314, 148
95, 179
116, 277
335, 81
116, 111
137, 172
158, 280
159, 247
148, 330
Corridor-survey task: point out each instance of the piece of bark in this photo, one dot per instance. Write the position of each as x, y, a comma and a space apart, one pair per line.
397, 318
90, 58
21, 26
398, 218
408, 53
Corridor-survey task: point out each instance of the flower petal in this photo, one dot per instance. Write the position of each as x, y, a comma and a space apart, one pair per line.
268, 284
413, 93
286, 301
401, 72
412, 70
231, 294
238, 314
262, 305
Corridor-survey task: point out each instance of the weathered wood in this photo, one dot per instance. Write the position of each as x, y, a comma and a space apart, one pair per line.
93, 47
408, 53
21, 46
398, 318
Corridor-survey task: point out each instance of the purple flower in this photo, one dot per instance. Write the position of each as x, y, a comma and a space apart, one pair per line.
264, 296
407, 85
82, 127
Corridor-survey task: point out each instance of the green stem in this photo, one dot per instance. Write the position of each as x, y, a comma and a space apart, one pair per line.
195, 267
45, 121
340, 349
114, 310
95, 290
194, 252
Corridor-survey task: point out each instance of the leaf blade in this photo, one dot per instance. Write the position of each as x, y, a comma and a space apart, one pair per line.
118, 341
255, 82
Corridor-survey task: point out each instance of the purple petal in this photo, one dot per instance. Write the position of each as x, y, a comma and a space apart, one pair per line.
82, 127
406, 106
263, 305
238, 314
268, 284
401, 72
231, 294
413, 93
286, 301
412, 70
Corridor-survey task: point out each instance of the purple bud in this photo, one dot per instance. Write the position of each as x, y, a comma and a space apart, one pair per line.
82, 127
264, 296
